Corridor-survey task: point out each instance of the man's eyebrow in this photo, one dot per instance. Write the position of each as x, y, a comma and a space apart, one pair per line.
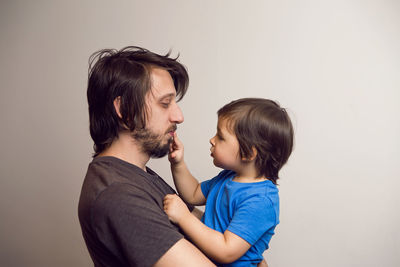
166, 96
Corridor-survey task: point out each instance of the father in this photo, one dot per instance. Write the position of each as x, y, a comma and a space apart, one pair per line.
132, 95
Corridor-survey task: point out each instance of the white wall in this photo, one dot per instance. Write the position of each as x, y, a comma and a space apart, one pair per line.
334, 64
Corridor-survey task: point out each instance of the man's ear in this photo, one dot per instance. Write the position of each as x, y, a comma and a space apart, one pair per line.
117, 106
252, 156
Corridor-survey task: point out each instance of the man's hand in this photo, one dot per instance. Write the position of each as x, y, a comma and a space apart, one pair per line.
175, 155
175, 208
262, 263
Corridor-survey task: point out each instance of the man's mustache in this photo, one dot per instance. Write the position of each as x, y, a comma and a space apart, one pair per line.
172, 129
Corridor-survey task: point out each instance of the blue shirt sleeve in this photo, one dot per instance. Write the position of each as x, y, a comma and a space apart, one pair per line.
253, 218
207, 185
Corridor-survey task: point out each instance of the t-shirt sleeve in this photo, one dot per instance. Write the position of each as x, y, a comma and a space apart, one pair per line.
252, 219
207, 185
133, 225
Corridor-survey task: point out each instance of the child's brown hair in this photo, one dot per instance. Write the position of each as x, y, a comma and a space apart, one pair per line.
263, 125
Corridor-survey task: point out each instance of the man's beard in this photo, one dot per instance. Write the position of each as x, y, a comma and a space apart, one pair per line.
152, 143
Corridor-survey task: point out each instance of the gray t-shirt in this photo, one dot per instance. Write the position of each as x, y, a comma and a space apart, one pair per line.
121, 214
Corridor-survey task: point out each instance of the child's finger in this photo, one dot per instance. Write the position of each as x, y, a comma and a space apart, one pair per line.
177, 141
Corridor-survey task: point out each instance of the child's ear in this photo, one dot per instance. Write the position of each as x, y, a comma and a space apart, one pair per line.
117, 106
252, 156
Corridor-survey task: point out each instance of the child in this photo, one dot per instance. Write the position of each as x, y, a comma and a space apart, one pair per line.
254, 140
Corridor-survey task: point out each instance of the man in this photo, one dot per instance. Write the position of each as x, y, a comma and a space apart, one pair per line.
132, 96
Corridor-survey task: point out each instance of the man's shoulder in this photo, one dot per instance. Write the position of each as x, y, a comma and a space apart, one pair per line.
108, 182
105, 171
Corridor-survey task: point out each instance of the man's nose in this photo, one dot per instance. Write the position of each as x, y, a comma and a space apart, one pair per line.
177, 115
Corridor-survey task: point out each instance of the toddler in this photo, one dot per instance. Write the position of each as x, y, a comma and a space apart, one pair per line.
254, 140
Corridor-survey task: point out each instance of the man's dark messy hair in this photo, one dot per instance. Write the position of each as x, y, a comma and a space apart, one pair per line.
125, 74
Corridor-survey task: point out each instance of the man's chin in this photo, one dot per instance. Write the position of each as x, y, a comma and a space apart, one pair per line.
161, 150
159, 153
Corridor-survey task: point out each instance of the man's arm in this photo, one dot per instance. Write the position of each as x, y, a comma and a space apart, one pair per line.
262, 263
183, 253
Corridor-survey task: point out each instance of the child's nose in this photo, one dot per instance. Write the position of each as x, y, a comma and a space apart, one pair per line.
212, 141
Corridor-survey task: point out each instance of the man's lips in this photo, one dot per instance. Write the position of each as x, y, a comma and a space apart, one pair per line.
172, 130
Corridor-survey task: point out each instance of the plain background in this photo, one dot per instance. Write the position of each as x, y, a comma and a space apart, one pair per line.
334, 64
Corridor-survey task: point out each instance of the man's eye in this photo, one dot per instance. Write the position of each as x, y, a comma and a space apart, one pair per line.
165, 104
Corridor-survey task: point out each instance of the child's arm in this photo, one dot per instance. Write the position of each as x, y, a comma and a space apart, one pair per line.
187, 186
223, 248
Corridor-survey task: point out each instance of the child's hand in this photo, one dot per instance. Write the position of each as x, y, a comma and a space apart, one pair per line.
175, 155
175, 208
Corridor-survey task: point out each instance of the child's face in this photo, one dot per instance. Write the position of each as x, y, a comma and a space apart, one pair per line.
225, 148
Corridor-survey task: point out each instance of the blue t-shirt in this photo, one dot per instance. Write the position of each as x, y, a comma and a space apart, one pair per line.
249, 210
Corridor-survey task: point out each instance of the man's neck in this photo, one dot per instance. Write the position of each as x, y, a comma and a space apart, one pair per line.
125, 148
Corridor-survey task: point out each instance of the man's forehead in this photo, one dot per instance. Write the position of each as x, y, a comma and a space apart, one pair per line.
162, 84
